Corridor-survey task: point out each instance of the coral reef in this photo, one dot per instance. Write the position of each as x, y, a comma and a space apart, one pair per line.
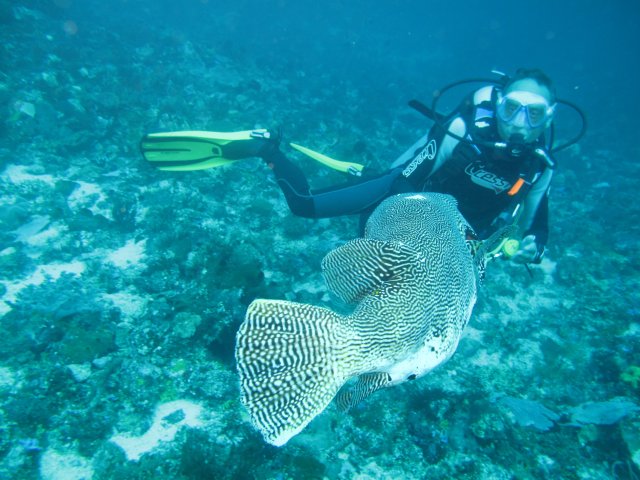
631, 375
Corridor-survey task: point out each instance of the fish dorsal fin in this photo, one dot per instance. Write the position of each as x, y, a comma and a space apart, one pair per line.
360, 266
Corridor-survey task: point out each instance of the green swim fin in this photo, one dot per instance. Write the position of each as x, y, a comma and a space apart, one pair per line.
347, 167
198, 150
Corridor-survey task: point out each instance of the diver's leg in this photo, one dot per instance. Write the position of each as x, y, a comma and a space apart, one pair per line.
347, 199
291, 180
354, 198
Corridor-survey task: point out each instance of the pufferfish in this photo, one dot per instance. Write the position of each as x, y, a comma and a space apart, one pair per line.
413, 278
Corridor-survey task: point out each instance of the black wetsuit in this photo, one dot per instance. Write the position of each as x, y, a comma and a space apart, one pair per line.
483, 180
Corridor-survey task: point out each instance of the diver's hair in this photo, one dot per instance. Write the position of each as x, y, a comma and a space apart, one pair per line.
535, 74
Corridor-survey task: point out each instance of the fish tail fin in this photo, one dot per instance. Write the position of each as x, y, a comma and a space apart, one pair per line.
292, 359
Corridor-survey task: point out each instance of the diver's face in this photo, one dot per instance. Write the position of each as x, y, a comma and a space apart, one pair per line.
523, 111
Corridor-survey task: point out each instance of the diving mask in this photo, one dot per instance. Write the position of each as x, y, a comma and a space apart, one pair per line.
524, 108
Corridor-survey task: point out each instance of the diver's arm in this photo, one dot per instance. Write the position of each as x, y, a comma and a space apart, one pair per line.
438, 149
534, 222
540, 225
538, 233
448, 143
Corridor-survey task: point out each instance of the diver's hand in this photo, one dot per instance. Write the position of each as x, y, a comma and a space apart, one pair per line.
528, 251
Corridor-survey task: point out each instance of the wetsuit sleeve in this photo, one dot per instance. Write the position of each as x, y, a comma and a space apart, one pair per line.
540, 227
437, 151
447, 144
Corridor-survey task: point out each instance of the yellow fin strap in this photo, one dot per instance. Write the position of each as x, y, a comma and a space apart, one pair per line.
346, 167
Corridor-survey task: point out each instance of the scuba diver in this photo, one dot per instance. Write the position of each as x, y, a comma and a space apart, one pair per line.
493, 154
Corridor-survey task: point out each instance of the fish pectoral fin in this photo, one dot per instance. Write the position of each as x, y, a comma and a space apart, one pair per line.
358, 267
486, 250
366, 384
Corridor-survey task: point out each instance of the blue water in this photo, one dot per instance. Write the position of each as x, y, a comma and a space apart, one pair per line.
122, 287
